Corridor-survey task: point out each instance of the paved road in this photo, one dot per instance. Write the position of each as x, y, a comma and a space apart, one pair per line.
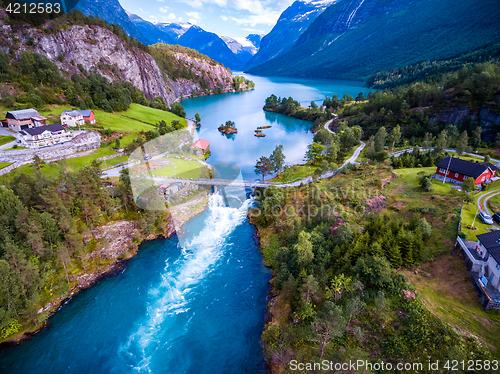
483, 200
115, 172
327, 125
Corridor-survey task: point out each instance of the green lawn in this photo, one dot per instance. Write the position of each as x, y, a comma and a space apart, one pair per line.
183, 168
133, 120
14, 149
6, 139
299, 171
5, 164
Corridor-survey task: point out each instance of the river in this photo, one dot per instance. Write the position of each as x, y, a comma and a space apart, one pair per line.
194, 303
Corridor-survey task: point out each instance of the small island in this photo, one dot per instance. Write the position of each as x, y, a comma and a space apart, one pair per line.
228, 128
259, 135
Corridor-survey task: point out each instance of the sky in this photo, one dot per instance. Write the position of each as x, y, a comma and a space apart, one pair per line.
233, 18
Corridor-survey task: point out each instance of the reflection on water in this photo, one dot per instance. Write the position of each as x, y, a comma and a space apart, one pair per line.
245, 109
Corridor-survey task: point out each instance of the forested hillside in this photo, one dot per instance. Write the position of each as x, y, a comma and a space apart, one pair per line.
48, 238
433, 71
101, 68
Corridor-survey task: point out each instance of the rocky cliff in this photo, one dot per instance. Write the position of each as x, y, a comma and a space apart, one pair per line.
292, 23
97, 48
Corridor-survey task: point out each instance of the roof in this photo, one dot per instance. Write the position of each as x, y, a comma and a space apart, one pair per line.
72, 113
491, 241
39, 118
471, 169
41, 129
200, 143
23, 114
490, 165
85, 113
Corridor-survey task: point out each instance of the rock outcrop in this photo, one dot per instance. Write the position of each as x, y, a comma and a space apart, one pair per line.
99, 49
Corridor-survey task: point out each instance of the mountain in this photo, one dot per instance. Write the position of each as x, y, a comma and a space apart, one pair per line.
188, 35
243, 48
150, 31
174, 30
353, 39
291, 24
112, 12
167, 71
209, 44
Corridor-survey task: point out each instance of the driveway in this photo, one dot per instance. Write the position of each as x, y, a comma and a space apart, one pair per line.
483, 200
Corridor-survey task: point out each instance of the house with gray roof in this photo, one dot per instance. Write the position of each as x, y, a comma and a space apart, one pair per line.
18, 120
72, 118
483, 262
44, 136
87, 116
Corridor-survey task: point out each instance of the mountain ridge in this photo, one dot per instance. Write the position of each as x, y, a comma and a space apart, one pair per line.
354, 39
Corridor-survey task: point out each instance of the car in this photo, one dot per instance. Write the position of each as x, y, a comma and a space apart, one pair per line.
496, 217
147, 157
486, 218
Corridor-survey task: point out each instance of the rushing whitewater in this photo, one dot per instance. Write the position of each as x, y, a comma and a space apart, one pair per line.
170, 300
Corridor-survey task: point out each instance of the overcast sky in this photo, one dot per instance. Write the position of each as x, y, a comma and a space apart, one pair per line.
234, 18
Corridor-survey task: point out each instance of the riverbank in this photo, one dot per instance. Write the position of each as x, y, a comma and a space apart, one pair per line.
117, 243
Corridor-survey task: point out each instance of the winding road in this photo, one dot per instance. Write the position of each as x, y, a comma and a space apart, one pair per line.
483, 200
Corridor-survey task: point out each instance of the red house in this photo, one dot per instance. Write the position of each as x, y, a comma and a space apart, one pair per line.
88, 115
456, 170
201, 144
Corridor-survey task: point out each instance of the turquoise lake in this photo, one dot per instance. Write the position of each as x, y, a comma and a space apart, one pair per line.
194, 303
245, 109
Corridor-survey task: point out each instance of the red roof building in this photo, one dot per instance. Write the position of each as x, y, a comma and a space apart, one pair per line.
456, 170
201, 144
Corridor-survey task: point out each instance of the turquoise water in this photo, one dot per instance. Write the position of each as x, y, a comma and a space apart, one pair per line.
245, 109
198, 308
194, 303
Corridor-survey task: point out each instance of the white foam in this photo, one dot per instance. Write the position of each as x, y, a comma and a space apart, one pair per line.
172, 295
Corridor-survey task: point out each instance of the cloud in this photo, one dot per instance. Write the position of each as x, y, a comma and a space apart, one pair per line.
224, 18
194, 15
163, 9
171, 16
161, 1
267, 18
193, 21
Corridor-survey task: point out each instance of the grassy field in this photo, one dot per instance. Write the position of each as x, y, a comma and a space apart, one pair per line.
6, 139
181, 168
137, 118
440, 206
298, 171
4, 164
12, 149
447, 291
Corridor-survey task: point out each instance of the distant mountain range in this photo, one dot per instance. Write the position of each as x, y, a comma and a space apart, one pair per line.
290, 26
345, 39
353, 39
230, 52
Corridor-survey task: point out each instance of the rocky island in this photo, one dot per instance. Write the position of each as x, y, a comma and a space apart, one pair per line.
228, 128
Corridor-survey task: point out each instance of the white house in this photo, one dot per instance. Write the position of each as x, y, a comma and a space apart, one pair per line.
72, 118
483, 262
45, 136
